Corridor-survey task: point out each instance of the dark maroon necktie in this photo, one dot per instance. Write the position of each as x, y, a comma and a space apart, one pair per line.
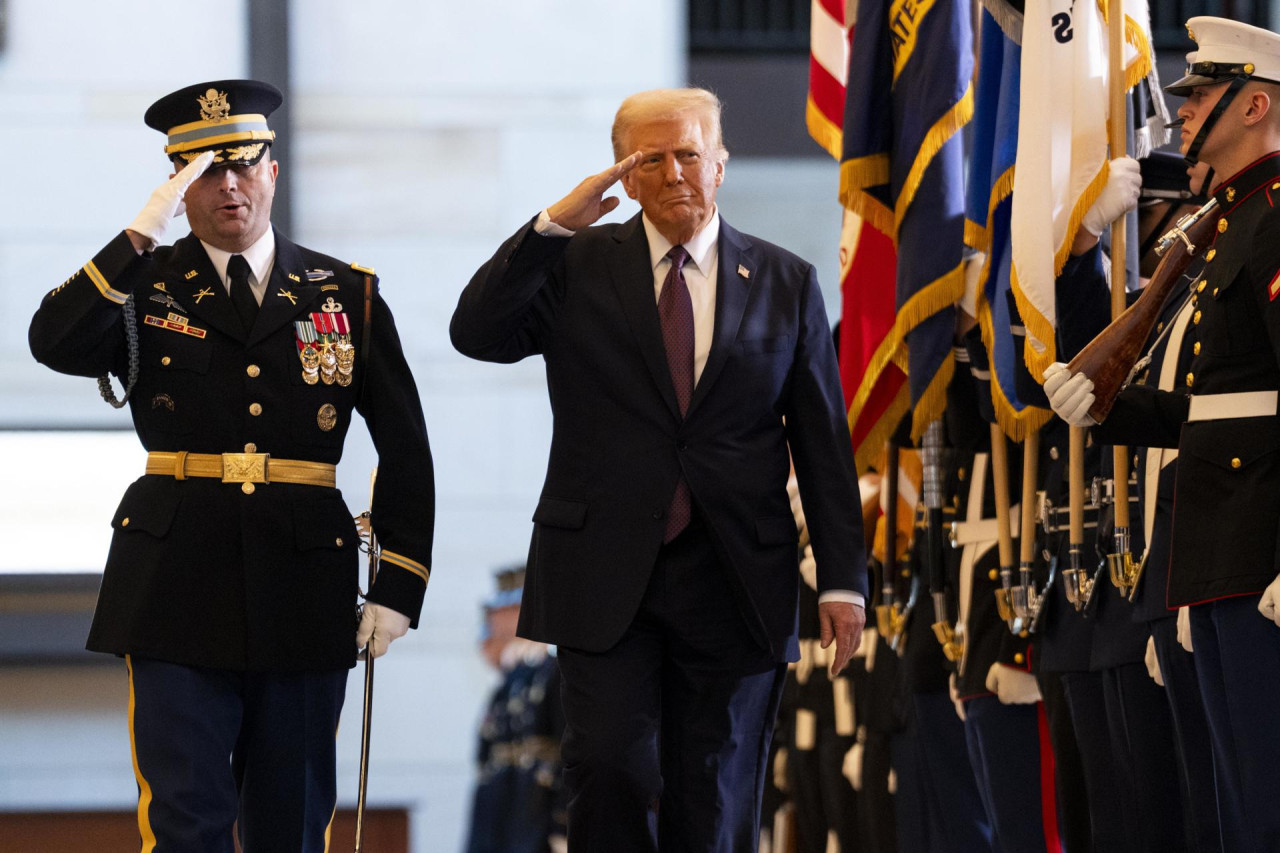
675, 311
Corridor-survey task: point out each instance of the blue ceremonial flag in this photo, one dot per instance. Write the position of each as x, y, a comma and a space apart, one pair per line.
989, 207
909, 92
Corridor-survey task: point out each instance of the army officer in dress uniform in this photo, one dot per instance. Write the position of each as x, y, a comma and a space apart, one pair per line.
231, 584
1225, 553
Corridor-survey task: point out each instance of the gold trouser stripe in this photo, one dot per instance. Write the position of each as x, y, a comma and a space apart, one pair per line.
144, 787
405, 563
182, 465
100, 282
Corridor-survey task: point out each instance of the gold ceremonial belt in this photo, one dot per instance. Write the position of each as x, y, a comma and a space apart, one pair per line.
244, 468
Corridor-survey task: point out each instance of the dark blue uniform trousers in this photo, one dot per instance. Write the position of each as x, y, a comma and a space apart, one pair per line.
951, 815
1191, 738
667, 733
1237, 660
1142, 744
1004, 749
211, 746
1086, 697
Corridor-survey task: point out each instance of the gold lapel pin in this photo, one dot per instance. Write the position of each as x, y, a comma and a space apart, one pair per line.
294, 277
293, 300
190, 275
202, 293
743, 271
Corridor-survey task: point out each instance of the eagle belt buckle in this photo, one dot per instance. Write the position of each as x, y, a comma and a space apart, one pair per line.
245, 468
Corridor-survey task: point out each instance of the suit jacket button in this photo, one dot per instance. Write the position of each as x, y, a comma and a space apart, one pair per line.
657, 514
1235, 463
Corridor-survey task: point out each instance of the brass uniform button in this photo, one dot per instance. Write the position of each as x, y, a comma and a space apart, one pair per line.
961, 474
1222, 225
1231, 193
1018, 658
1235, 463
124, 522
247, 488
1191, 377
1199, 289
1053, 454
906, 573
1135, 460
255, 409
251, 448
1023, 635
1195, 318
1248, 68
993, 574
1210, 256
1160, 326
338, 542
165, 361
1195, 350
1215, 291
253, 370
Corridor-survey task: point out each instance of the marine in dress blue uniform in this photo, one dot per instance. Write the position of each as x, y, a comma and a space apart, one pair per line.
1223, 560
231, 586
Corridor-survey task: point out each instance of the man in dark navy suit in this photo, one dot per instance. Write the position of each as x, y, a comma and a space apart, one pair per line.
685, 361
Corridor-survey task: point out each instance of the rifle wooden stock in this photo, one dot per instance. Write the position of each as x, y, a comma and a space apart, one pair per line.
1108, 359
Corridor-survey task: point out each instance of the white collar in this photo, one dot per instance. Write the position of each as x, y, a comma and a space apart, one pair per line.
260, 256
700, 248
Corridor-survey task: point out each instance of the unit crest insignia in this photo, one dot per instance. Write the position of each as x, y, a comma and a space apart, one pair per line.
327, 417
214, 106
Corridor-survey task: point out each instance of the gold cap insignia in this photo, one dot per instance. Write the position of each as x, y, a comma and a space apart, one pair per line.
214, 106
1192, 34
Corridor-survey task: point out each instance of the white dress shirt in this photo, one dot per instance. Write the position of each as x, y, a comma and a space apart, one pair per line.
261, 257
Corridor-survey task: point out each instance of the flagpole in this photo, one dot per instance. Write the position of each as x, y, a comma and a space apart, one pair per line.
1120, 559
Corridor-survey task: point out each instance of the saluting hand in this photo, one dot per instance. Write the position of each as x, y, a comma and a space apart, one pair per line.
146, 231
842, 622
587, 203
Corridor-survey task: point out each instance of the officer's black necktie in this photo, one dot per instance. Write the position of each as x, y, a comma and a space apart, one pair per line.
241, 294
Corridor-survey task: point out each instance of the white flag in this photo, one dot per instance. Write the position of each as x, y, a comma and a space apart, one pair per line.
1062, 146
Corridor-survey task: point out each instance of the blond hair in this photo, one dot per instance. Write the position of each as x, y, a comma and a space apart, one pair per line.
663, 104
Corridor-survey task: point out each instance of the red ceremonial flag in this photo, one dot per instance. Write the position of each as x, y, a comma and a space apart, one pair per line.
874, 382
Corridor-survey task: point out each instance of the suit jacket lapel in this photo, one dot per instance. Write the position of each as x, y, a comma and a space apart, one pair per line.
287, 293
199, 289
632, 277
735, 277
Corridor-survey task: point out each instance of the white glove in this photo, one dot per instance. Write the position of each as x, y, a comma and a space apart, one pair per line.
852, 768
1152, 662
1012, 686
953, 689
166, 202
780, 770
809, 568
972, 272
1070, 394
1184, 628
1267, 606
379, 628
1117, 198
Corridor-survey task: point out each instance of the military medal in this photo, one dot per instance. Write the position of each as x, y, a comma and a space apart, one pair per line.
346, 356
307, 352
